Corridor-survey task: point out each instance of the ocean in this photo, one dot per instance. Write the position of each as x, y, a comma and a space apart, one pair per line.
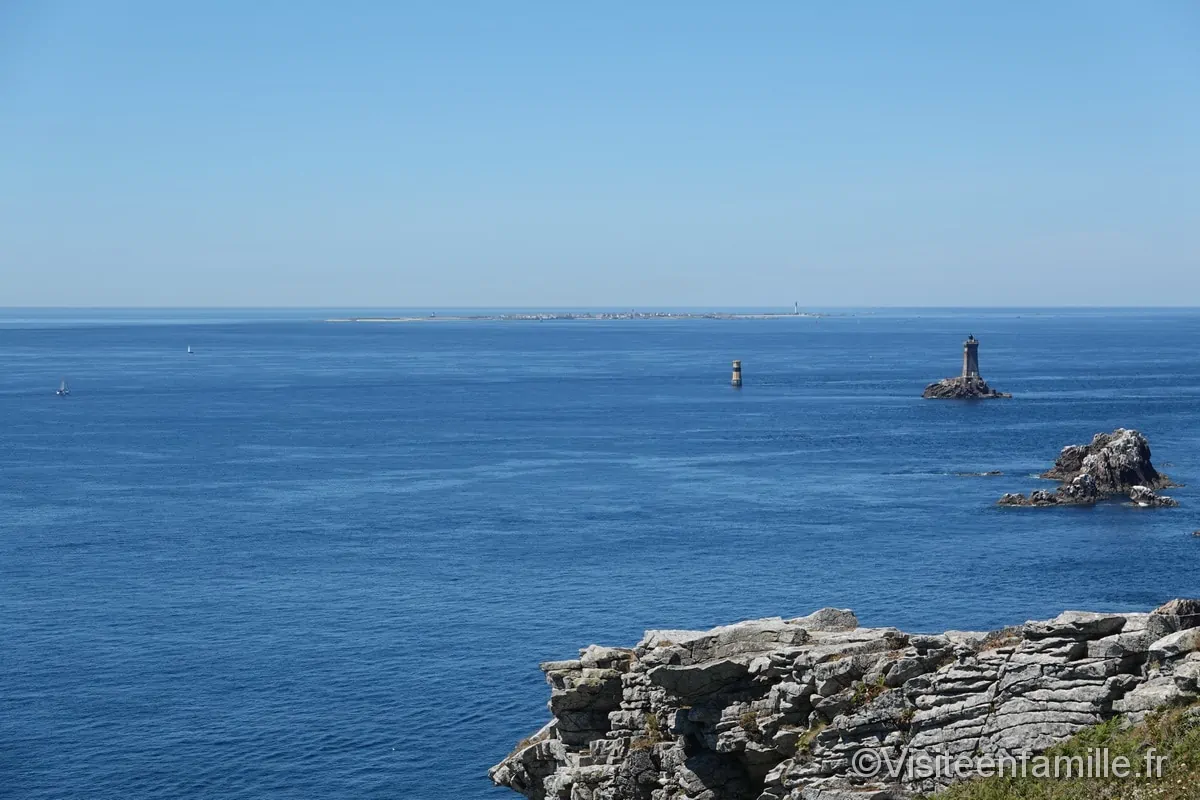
316, 559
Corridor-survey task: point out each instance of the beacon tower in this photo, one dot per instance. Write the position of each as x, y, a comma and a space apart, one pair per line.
971, 357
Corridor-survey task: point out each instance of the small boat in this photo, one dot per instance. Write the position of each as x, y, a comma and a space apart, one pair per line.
189, 349
63, 391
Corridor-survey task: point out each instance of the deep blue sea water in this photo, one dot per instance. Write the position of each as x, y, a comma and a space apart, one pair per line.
319, 560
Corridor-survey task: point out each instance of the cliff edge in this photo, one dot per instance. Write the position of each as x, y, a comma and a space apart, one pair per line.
779, 709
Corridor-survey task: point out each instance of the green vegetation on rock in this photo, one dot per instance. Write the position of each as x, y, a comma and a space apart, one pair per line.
1173, 734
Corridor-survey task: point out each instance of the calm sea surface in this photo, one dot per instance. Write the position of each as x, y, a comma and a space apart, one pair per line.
319, 560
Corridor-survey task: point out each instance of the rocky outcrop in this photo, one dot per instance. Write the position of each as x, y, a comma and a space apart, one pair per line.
780, 709
1113, 464
961, 388
1118, 461
1145, 497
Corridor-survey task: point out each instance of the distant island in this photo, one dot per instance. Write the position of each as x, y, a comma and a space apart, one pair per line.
543, 316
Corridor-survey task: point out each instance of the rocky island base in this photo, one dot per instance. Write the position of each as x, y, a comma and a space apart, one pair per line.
777, 709
1112, 464
962, 388
967, 386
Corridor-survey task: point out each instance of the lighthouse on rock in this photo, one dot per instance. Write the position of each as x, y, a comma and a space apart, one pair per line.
969, 385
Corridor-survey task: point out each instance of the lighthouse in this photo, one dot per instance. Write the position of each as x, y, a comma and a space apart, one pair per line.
971, 357
967, 386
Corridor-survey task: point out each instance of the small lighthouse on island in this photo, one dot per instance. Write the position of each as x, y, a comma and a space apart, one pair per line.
967, 386
971, 357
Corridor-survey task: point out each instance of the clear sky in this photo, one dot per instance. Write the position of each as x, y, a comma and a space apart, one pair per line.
617, 154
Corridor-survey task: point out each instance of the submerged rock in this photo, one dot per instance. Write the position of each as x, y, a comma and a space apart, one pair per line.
776, 709
1116, 463
960, 388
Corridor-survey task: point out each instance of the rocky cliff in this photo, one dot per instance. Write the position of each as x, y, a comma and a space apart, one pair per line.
1116, 463
777, 709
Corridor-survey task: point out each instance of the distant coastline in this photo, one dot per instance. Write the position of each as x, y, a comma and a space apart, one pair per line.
542, 316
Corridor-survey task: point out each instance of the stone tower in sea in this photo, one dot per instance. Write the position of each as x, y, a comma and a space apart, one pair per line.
967, 386
971, 357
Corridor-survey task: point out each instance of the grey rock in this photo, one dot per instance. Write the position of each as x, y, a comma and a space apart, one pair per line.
1036, 498
1076, 625
694, 647
904, 670
1182, 613
1176, 644
1116, 463
596, 689
1153, 694
1145, 497
828, 619
691, 682
1082, 490
775, 709
604, 657
960, 388
1186, 673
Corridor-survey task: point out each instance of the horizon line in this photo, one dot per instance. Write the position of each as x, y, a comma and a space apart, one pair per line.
566, 307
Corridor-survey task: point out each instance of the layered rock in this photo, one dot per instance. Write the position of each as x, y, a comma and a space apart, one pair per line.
1116, 463
962, 388
778, 709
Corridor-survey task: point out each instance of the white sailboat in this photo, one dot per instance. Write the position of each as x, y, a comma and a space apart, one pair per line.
63, 391
189, 349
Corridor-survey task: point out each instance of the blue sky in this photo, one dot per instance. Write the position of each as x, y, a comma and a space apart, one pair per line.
557, 154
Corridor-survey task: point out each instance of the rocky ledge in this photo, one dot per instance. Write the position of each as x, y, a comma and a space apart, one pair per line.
961, 388
1113, 464
776, 709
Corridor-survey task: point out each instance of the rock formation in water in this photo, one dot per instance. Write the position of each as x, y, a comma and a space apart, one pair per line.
960, 388
1144, 496
778, 709
1116, 463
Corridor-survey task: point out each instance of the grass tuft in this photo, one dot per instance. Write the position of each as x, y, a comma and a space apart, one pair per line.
865, 692
1174, 733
